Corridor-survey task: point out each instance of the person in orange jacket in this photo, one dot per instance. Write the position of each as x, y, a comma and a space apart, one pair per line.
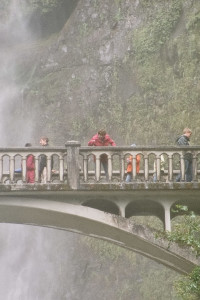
130, 166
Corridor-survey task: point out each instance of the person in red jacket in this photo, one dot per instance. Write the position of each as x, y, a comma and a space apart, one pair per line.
102, 139
30, 167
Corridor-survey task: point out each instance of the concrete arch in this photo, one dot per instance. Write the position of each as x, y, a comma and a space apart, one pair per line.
95, 223
103, 205
193, 205
145, 208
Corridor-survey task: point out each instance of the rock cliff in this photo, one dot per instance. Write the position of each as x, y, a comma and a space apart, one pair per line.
128, 66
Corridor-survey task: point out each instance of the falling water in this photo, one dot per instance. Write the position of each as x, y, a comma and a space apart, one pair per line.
13, 32
33, 260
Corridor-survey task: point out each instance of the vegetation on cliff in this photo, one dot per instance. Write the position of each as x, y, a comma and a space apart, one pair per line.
166, 55
139, 278
186, 231
130, 67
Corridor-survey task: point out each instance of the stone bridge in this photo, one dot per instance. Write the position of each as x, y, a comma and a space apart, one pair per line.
79, 198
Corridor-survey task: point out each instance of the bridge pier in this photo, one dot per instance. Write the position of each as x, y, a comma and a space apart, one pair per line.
167, 207
73, 173
122, 210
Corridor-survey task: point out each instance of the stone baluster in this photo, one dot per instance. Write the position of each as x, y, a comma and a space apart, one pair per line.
146, 167
134, 173
170, 168
182, 167
98, 168
122, 169
12, 168
1, 168
61, 168
194, 166
73, 173
85, 168
158, 167
24, 168
109, 167
48, 168
37, 179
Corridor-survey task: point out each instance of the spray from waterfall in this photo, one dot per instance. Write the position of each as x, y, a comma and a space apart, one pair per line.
30, 266
13, 33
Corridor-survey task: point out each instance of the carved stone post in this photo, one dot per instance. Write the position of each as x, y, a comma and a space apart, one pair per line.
194, 167
1, 168
122, 169
134, 173
170, 168
146, 167
109, 167
48, 168
158, 158
24, 168
182, 168
61, 168
37, 179
85, 168
73, 176
98, 168
12, 168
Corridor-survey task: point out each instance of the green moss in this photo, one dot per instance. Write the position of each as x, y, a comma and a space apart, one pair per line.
150, 38
166, 70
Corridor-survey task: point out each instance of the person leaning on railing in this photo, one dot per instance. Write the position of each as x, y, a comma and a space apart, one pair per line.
183, 140
102, 139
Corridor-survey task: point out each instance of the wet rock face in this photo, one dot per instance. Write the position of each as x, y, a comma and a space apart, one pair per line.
84, 74
43, 23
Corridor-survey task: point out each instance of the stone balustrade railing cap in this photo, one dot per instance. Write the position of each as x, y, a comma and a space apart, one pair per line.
73, 144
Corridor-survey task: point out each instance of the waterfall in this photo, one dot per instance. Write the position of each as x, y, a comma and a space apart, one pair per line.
33, 260
14, 130
34, 263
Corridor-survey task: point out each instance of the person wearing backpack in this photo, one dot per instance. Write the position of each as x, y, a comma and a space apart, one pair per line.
183, 140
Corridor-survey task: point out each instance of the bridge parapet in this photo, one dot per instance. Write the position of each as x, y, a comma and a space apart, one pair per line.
75, 165
13, 163
164, 162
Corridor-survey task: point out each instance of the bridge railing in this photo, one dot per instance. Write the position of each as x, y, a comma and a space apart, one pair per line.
156, 163
13, 164
75, 165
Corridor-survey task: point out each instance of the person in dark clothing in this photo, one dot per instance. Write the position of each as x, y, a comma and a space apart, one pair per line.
183, 140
